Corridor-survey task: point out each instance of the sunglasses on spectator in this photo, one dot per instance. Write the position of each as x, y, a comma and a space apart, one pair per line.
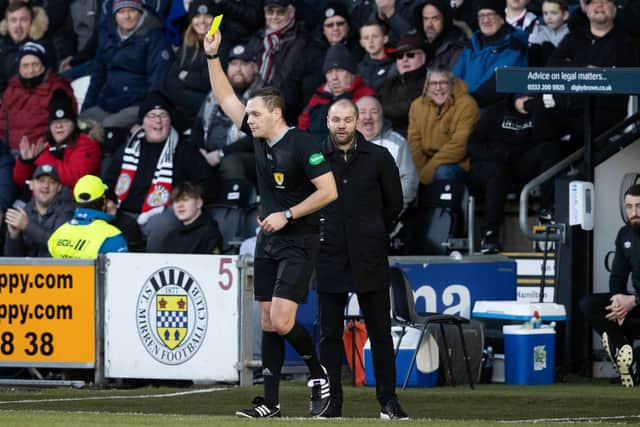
338, 24
409, 55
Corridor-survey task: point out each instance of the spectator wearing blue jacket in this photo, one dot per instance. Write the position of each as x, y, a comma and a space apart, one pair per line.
495, 44
133, 59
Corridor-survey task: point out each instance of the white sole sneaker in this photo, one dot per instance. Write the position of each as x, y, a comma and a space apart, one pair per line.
624, 361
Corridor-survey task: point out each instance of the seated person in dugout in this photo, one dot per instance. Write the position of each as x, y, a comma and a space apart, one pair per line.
614, 315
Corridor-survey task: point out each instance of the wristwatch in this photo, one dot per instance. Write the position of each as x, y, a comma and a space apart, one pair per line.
288, 215
214, 56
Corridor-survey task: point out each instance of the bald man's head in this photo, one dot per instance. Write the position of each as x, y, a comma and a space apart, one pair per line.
371, 120
342, 119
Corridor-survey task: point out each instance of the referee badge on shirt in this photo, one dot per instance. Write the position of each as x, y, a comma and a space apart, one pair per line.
278, 177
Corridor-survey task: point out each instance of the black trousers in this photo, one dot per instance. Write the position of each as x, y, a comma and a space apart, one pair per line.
492, 180
593, 308
375, 308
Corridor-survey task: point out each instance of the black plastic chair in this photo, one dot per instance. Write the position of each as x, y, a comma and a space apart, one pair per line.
403, 308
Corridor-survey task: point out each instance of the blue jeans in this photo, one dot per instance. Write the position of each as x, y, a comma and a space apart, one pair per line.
451, 172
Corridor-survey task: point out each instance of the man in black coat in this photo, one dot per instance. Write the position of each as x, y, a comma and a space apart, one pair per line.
353, 253
615, 315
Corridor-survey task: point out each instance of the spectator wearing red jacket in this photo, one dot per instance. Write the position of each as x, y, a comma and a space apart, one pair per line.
24, 112
72, 152
341, 82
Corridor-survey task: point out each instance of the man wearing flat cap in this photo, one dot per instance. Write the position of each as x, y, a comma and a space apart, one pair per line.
279, 45
153, 159
89, 232
495, 44
29, 227
341, 81
399, 91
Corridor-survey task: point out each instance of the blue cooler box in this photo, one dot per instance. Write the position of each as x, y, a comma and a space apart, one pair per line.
424, 372
529, 354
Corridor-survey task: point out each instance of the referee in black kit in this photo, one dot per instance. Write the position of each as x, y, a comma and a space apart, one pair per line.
295, 182
353, 253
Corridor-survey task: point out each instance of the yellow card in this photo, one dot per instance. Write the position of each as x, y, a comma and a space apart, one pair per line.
215, 25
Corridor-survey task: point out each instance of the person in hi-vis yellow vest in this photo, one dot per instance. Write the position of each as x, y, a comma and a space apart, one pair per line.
88, 233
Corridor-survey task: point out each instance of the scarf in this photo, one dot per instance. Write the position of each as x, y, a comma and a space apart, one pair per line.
271, 47
160, 188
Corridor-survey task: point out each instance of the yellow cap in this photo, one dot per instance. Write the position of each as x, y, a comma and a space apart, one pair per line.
88, 188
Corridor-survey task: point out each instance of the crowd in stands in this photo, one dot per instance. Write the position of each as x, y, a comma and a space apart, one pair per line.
422, 74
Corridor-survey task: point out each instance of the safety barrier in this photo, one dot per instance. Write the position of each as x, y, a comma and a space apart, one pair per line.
155, 316
181, 317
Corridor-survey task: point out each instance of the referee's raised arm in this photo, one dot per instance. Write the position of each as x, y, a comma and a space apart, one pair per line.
220, 86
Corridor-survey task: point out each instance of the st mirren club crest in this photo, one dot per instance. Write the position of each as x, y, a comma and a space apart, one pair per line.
123, 184
171, 316
172, 319
158, 197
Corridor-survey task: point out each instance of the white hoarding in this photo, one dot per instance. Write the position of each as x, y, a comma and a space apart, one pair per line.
171, 316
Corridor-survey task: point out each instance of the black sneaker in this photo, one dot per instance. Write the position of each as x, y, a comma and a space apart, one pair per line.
261, 410
334, 410
393, 411
489, 243
320, 395
545, 216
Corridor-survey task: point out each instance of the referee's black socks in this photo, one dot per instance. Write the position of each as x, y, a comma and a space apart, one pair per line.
272, 361
301, 341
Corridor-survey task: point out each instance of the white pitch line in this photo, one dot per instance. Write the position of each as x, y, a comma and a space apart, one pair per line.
141, 396
569, 419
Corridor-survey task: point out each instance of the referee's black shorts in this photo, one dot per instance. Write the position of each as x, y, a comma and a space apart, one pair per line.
284, 263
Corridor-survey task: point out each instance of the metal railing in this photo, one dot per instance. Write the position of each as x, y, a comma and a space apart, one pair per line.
616, 138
